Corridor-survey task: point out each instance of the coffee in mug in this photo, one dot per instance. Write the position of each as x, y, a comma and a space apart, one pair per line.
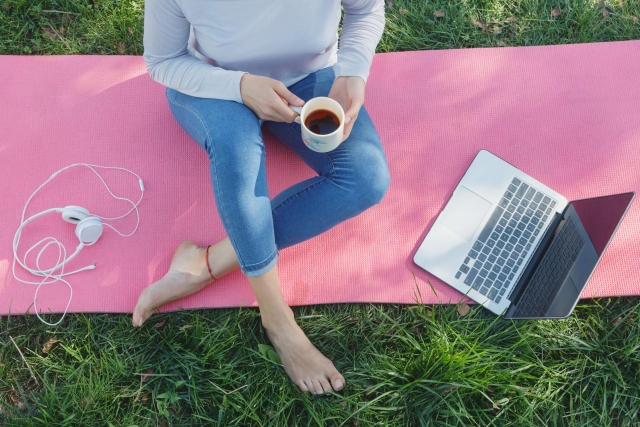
322, 122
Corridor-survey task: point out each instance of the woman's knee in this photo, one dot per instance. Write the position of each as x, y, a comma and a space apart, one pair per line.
371, 178
371, 169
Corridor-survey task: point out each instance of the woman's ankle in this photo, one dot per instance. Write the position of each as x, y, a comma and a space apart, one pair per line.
222, 258
276, 319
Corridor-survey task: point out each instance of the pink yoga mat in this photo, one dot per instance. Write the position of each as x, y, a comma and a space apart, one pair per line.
567, 115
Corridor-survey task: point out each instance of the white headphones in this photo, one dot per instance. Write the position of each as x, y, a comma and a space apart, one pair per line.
88, 230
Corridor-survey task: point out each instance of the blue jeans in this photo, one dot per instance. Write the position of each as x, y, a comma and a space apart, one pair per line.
351, 178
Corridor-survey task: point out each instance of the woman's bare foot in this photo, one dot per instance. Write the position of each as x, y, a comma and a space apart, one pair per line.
309, 369
304, 364
187, 274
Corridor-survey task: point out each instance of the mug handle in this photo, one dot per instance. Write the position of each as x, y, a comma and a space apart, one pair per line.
297, 110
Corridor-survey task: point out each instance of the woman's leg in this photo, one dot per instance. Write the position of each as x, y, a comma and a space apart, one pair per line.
351, 178
230, 133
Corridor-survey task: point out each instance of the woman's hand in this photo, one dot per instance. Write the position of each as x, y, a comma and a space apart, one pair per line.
269, 99
349, 92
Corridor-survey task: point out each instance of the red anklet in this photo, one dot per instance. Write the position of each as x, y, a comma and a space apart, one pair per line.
209, 268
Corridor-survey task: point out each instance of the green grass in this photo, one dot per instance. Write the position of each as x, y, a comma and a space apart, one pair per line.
116, 27
405, 365
412, 26
414, 365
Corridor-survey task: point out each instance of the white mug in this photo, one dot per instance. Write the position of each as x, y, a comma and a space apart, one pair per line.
320, 143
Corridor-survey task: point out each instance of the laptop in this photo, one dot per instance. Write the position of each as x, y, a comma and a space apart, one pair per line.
516, 246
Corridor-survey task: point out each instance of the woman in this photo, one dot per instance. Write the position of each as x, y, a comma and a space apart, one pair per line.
245, 63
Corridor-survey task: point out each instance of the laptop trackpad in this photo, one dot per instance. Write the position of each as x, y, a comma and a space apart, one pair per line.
464, 212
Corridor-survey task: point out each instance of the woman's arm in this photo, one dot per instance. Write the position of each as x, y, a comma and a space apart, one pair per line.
362, 29
166, 33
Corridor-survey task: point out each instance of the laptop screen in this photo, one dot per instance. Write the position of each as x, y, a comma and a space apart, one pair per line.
601, 215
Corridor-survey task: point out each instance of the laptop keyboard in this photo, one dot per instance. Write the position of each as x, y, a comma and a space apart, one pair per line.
553, 270
498, 253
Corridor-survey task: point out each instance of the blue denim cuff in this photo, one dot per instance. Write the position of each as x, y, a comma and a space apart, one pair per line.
263, 267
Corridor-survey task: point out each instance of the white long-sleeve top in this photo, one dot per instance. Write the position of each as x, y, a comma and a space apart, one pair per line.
203, 47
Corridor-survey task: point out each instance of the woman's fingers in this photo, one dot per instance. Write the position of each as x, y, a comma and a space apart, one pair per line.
288, 98
354, 108
269, 99
351, 115
287, 95
348, 91
281, 112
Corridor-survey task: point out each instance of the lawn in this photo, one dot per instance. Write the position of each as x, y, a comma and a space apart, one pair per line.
404, 365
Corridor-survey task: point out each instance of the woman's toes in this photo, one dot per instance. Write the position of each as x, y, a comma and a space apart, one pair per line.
303, 387
144, 318
141, 310
136, 319
337, 381
310, 386
325, 385
318, 386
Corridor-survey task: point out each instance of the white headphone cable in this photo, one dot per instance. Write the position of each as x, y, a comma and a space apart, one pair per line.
135, 206
58, 278
62, 252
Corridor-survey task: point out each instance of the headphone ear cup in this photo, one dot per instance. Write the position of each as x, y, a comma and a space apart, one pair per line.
89, 230
74, 214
